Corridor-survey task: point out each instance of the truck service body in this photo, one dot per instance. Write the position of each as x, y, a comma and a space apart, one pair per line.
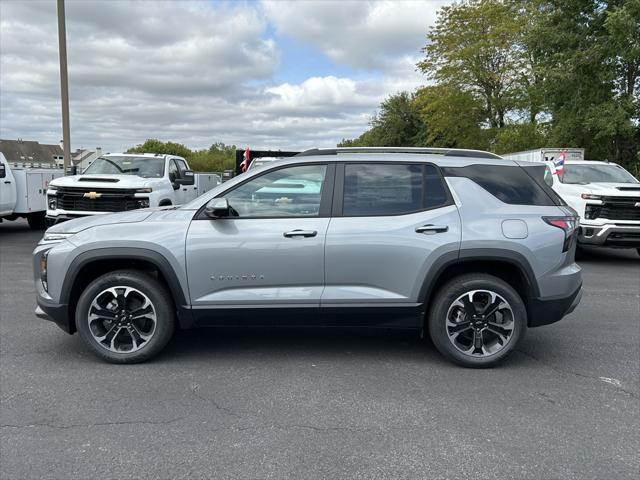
23, 189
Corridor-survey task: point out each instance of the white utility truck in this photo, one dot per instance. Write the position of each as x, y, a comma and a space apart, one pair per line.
23, 191
118, 182
605, 195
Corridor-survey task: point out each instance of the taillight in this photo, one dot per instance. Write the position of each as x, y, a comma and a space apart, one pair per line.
569, 225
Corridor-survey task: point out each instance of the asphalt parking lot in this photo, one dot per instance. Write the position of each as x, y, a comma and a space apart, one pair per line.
300, 404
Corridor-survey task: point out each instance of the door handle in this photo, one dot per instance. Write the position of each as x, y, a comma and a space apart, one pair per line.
7, 181
300, 233
431, 229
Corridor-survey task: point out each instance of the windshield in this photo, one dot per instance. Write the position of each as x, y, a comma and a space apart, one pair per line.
582, 174
147, 167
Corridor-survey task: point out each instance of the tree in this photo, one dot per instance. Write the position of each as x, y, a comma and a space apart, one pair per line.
398, 123
217, 157
590, 51
508, 75
152, 145
451, 118
477, 47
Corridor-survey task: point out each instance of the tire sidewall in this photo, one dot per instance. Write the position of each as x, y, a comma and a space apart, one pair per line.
157, 294
450, 293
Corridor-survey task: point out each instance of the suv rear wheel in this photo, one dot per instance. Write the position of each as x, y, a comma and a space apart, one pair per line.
477, 320
125, 316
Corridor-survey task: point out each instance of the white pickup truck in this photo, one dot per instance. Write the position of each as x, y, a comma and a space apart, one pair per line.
23, 189
605, 195
118, 182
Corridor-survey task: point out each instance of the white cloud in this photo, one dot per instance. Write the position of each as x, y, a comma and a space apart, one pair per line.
357, 33
199, 72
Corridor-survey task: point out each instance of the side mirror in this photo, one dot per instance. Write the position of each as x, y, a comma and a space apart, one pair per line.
3, 170
218, 208
187, 178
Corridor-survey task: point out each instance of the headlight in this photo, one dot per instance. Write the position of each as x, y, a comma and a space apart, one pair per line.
144, 190
589, 196
52, 187
52, 203
55, 237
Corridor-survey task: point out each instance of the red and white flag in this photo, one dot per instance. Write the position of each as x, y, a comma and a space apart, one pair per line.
246, 159
559, 163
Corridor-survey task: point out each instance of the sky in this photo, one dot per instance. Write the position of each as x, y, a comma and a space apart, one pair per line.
263, 74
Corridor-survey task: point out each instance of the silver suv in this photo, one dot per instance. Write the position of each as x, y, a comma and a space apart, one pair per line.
463, 244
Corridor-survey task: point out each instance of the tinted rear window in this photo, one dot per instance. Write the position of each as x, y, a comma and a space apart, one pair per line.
510, 184
378, 189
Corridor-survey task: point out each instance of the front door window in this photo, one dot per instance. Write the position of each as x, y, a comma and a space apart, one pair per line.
286, 192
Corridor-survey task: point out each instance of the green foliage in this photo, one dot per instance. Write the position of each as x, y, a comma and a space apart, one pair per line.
398, 123
451, 118
476, 47
518, 137
216, 158
511, 75
152, 145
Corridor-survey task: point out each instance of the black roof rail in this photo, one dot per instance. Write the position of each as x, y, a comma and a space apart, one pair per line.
317, 151
447, 152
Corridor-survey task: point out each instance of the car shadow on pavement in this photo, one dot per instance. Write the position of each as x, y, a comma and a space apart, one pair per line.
302, 342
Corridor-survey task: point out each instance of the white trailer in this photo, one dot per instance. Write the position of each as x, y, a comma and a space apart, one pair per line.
23, 191
546, 154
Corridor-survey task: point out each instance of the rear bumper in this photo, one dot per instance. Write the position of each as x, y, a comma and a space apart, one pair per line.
610, 235
544, 311
56, 313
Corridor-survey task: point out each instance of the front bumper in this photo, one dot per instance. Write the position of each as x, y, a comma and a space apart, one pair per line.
56, 313
610, 235
57, 216
543, 311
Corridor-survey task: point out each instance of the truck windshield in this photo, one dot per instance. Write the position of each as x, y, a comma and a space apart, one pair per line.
147, 167
582, 174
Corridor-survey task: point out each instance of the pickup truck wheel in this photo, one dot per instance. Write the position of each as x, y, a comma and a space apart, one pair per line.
125, 316
477, 320
36, 221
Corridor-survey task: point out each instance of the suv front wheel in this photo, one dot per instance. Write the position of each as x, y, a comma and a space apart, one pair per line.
477, 320
125, 316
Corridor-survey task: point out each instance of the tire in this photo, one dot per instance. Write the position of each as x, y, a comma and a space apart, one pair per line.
36, 221
500, 332
113, 300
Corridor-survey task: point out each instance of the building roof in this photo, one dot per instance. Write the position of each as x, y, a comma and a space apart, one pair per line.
18, 151
80, 155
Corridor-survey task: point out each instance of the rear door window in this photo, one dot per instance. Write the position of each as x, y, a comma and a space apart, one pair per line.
378, 189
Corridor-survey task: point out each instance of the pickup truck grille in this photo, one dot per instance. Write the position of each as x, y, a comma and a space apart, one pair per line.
616, 208
110, 200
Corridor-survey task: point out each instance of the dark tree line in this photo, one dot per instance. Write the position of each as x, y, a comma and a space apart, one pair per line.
216, 158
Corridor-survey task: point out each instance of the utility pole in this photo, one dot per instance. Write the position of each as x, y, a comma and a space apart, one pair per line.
64, 86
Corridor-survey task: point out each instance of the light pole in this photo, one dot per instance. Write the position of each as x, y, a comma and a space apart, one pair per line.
64, 86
